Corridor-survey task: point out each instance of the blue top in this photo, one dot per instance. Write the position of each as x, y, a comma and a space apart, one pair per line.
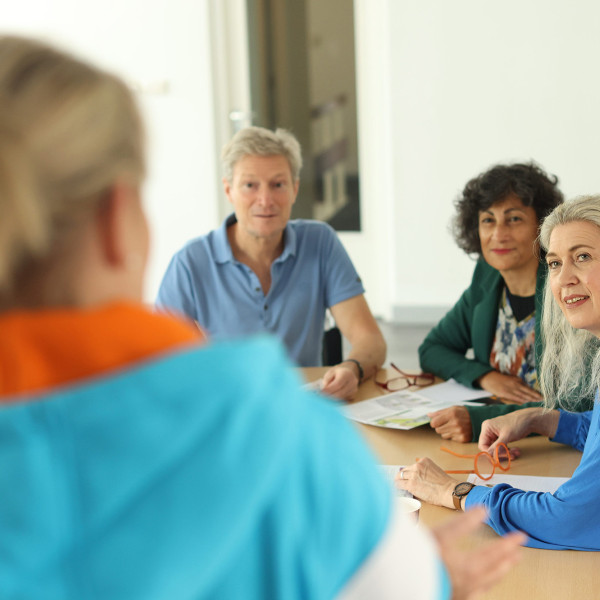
186, 478
205, 282
569, 519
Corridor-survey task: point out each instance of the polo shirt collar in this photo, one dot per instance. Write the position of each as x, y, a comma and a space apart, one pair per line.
222, 248
289, 243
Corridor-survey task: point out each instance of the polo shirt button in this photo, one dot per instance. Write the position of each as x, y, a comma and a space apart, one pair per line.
257, 289
266, 306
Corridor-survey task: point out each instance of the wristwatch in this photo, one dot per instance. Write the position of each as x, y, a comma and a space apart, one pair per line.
361, 373
460, 491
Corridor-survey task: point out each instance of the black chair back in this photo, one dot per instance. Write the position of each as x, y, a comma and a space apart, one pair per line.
332, 347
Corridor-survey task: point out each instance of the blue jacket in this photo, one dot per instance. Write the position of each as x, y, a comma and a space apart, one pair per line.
569, 519
197, 475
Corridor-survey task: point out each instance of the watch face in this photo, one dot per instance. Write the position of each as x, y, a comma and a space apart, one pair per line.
463, 488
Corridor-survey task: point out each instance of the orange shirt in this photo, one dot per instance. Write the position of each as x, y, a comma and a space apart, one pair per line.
45, 348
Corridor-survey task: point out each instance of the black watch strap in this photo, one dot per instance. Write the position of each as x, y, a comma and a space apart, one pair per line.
361, 373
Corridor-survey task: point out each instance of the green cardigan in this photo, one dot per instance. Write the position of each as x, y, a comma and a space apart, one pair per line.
471, 323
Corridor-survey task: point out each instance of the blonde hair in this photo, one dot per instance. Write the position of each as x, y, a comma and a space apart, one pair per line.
570, 366
68, 131
258, 141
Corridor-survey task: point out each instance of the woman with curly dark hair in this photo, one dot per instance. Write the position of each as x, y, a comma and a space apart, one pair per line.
498, 216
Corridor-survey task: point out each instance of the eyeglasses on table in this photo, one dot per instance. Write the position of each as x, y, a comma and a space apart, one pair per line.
405, 380
484, 464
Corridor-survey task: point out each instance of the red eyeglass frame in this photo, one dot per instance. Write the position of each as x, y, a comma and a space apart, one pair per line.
410, 378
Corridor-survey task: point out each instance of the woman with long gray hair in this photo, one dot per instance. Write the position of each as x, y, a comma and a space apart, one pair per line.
569, 518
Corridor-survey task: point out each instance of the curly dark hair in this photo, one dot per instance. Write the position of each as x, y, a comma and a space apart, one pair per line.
528, 181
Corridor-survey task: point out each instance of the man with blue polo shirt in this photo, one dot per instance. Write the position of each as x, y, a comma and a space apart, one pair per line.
261, 272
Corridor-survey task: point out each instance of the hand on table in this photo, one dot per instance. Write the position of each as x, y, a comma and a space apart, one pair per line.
474, 572
428, 482
516, 426
453, 423
508, 387
471, 573
341, 381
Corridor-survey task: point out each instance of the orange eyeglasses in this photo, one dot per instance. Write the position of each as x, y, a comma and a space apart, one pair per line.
485, 465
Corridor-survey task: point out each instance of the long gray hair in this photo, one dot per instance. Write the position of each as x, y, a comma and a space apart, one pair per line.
570, 366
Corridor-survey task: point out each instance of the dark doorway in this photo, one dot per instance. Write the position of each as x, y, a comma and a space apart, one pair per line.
302, 73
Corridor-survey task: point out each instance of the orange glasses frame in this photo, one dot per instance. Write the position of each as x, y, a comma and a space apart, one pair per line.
495, 462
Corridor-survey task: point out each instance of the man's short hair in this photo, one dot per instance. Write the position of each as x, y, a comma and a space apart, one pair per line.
258, 141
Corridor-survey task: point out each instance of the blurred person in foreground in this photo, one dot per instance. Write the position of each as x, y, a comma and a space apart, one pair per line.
498, 216
136, 462
569, 518
264, 272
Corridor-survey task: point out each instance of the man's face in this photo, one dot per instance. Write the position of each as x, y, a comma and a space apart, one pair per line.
262, 193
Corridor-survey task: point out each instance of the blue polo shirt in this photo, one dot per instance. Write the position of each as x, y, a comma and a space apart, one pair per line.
205, 282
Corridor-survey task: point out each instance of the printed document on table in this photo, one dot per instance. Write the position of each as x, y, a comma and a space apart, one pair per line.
529, 483
398, 410
407, 410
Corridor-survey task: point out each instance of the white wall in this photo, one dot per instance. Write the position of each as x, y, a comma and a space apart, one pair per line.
162, 46
372, 250
473, 83
444, 90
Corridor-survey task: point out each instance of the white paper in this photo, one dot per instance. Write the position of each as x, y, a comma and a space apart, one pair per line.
529, 483
454, 392
398, 410
407, 410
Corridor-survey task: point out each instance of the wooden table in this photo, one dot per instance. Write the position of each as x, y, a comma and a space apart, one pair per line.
543, 574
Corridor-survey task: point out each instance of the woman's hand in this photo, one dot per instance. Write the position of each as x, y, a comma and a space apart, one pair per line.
474, 572
453, 423
516, 426
508, 387
427, 481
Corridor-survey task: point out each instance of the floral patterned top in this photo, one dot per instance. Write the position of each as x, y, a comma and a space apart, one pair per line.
513, 350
